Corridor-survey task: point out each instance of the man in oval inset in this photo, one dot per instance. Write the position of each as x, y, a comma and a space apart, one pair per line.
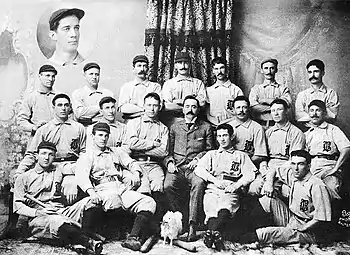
65, 31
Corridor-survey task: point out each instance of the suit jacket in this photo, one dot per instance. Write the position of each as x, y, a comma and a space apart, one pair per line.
186, 144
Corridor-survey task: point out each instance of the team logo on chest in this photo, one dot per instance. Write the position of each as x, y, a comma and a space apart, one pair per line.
235, 169
287, 149
304, 205
327, 146
248, 146
74, 145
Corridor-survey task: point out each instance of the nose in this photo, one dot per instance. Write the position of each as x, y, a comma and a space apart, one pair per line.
72, 32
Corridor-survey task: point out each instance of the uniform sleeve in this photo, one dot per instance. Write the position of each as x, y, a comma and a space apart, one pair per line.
80, 110
166, 92
321, 202
171, 142
82, 139
83, 170
19, 205
127, 162
124, 97
235, 91
332, 105
162, 150
340, 139
253, 96
286, 95
299, 142
25, 115
29, 159
89, 142
134, 142
248, 171
300, 113
209, 142
204, 167
201, 93
260, 146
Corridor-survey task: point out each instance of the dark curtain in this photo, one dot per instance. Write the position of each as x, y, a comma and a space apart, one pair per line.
201, 27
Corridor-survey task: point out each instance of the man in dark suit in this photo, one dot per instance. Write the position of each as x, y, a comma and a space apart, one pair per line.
189, 140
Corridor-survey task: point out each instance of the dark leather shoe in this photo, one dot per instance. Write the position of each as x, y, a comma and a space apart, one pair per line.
96, 246
218, 241
132, 243
208, 238
149, 243
191, 233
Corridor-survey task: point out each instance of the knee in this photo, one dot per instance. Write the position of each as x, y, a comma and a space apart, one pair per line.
149, 204
197, 183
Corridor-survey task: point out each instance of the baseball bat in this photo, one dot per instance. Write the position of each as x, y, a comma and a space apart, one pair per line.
184, 245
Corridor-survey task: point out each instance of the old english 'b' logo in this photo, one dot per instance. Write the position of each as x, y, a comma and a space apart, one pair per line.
287, 149
248, 146
327, 146
235, 170
74, 145
304, 205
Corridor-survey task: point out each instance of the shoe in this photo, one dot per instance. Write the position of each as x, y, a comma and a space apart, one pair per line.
208, 238
191, 233
132, 243
149, 243
96, 246
218, 241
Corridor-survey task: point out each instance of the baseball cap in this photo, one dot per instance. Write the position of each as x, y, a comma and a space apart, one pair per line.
182, 56
101, 126
62, 13
140, 58
91, 65
47, 68
106, 100
272, 60
47, 145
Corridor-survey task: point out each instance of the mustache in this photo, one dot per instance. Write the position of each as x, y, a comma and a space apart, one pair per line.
190, 113
142, 72
312, 78
314, 116
184, 69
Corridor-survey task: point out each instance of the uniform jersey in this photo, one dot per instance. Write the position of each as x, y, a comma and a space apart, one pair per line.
264, 94
249, 137
35, 108
85, 102
218, 96
134, 92
179, 88
325, 94
142, 132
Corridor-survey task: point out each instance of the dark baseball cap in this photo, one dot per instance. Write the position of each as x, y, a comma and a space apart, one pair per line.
271, 60
62, 13
47, 145
47, 68
101, 126
182, 56
106, 100
91, 65
140, 58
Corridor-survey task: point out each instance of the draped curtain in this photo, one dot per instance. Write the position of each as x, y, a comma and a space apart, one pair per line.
201, 27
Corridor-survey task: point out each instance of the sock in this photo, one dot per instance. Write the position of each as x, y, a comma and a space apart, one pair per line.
141, 221
92, 219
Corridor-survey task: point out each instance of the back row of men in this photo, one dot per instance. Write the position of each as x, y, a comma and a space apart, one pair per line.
247, 157
215, 100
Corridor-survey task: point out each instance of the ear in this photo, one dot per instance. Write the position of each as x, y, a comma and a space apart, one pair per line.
52, 35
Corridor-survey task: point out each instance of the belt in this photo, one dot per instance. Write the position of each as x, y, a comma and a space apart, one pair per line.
105, 179
145, 158
62, 159
334, 156
302, 219
230, 178
86, 122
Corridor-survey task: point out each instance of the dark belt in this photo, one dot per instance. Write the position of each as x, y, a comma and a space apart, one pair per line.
145, 158
86, 122
302, 219
62, 159
329, 157
105, 179
231, 178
